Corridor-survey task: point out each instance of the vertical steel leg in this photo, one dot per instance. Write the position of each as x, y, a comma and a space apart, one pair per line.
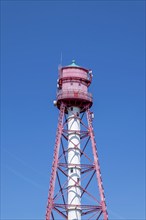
55, 162
97, 166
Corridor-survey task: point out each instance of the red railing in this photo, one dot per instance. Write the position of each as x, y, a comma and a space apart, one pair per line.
74, 94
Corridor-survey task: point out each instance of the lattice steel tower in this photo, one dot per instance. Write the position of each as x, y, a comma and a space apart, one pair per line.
76, 189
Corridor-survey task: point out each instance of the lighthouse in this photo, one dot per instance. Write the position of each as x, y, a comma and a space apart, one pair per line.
70, 162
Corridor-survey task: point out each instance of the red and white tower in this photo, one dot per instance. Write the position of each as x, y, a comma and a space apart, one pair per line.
76, 189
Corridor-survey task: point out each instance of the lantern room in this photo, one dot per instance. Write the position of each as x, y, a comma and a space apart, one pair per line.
72, 86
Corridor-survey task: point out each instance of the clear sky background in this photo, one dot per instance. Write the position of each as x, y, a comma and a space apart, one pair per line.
106, 36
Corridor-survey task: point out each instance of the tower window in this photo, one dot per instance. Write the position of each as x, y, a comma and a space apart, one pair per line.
78, 180
71, 170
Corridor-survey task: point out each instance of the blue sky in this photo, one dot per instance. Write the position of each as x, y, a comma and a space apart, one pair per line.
109, 38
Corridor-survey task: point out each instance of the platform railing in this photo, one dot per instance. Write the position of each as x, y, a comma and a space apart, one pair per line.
75, 94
